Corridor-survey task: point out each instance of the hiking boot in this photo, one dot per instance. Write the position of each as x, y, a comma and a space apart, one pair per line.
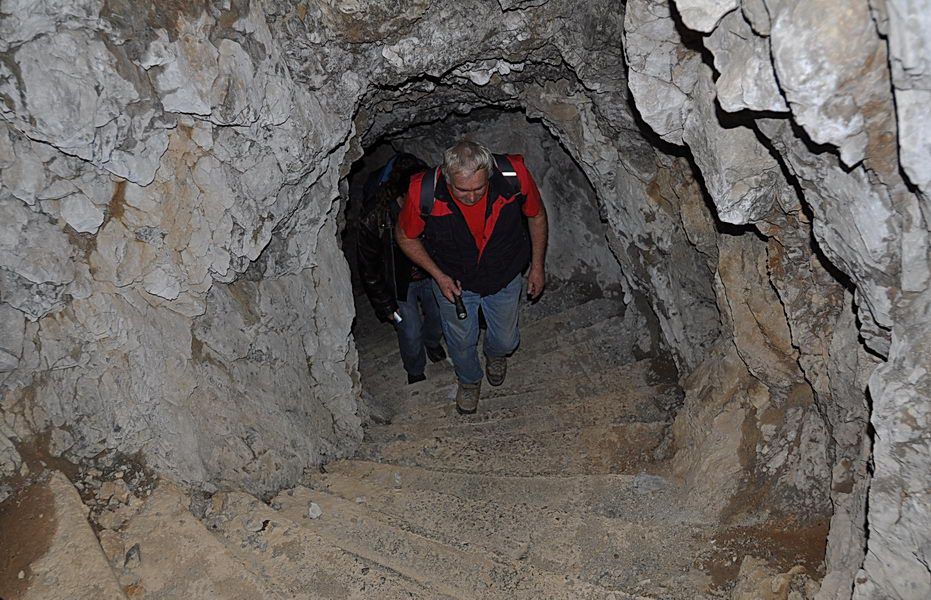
496, 368
435, 354
467, 398
415, 378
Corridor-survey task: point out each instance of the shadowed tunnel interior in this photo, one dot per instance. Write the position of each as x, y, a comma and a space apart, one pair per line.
578, 248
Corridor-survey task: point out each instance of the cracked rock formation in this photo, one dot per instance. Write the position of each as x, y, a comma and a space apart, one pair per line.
142, 185
171, 281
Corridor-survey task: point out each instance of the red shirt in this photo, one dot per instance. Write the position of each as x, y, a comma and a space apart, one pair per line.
475, 218
413, 225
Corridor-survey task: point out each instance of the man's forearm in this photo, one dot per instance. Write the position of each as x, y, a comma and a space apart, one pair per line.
539, 232
415, 251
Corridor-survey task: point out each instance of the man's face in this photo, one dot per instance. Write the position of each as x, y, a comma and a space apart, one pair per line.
469, 188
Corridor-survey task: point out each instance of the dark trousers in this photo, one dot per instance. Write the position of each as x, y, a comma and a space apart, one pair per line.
418, 329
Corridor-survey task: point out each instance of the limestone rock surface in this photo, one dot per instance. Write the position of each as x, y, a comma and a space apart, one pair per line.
900, 506
174, 145
741, 176
825, 70
12, 329
747, 79
910, 53
10, 460
662, 72
838, 151
703, 15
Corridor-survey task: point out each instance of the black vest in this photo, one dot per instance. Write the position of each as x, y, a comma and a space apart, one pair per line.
450, 244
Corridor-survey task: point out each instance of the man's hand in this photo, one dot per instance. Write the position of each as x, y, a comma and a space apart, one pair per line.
536, 280
448, 286
387, 315
539, 229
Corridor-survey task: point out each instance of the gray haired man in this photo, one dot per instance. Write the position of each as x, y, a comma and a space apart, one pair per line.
476, 230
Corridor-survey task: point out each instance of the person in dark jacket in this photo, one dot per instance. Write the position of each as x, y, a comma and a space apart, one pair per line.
476, 225
400, 292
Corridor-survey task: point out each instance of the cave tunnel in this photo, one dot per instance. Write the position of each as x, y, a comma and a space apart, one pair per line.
722, 393
578, 252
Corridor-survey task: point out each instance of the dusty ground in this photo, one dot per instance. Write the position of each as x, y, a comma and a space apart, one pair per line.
27, 516
27, 522
780, 546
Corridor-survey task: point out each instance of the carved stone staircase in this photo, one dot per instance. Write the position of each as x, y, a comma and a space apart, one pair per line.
556, 488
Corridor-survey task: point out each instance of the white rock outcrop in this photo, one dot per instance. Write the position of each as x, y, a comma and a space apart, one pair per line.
747, 79
909, 30
662, 72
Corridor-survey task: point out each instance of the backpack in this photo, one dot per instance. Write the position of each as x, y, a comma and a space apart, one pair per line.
428, 185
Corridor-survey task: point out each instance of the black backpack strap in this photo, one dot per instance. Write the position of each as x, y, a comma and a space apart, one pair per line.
428, 192
506, 169
504, 165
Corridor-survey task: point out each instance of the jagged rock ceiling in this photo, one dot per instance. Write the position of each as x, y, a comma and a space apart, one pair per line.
171, 282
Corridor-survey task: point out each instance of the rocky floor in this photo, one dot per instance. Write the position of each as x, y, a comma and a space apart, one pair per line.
557, 488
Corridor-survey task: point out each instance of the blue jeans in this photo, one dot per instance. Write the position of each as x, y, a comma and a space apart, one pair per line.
501, 338
415, 331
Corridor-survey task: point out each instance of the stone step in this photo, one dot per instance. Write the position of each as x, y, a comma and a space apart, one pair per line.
382, 339
617, 331
459, 572
542, 336
589, 382
180, 559
586, 357
48, 525
616, 553
571, 387
596, 449
588, 352
373, 334
631, 388
535, 479
379, 349
574, 316
636, 497
528, 414
296, 561
388, 377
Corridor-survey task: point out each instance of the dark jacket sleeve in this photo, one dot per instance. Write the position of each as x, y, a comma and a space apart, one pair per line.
372, 269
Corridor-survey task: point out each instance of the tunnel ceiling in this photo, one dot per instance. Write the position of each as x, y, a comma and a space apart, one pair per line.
171, 282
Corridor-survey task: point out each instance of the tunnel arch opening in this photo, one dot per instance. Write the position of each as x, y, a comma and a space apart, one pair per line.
578, 250
580, 263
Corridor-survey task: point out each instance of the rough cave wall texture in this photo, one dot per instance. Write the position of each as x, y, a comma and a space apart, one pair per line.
171, 282
802, 119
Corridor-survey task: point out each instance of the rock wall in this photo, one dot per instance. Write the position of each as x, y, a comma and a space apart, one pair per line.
166, 187
790, 118
171, 283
